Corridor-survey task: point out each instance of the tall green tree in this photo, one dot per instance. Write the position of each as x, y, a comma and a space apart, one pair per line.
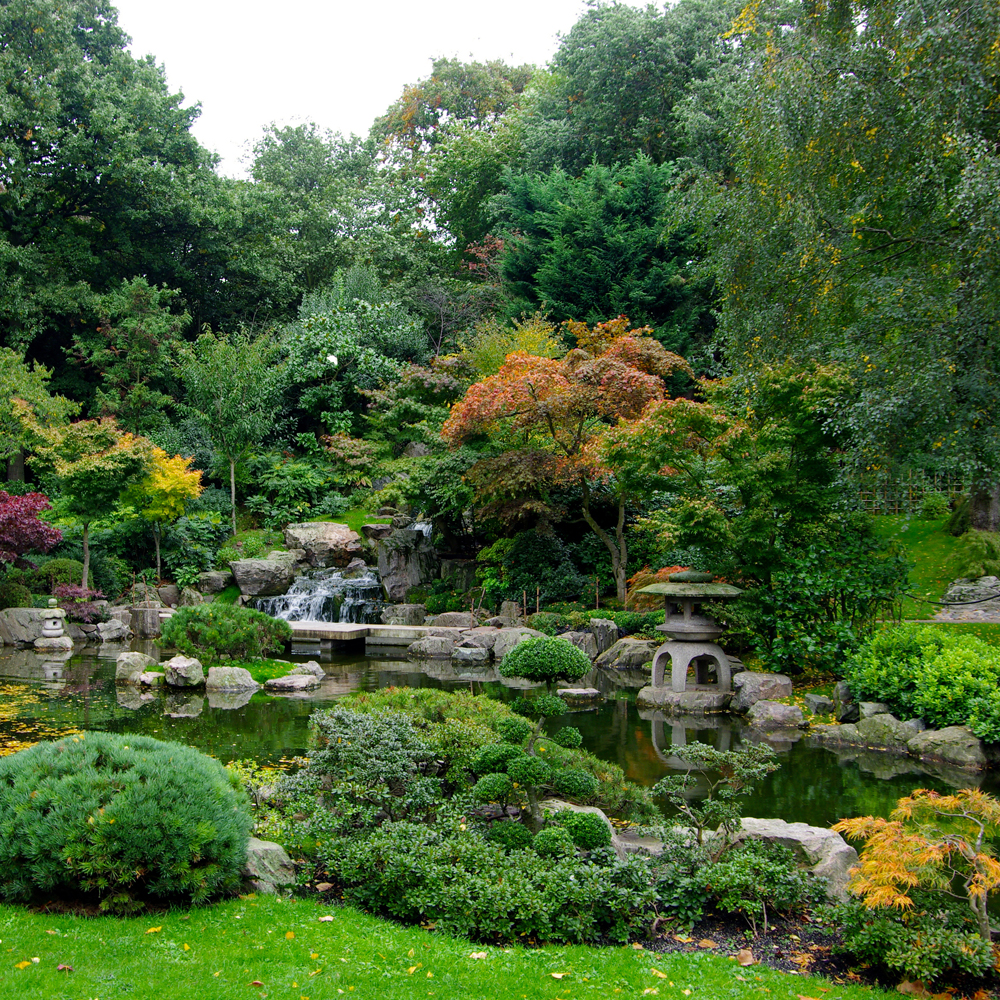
234, 386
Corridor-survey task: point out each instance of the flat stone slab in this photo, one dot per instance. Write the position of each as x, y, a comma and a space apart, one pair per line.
694, 700
292, 682
580, 694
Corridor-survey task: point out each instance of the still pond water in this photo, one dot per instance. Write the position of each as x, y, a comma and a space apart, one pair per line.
46, 699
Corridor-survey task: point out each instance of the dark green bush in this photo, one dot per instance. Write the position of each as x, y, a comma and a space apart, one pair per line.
569, 737
14, 595
545, 659
529, 770
554, 842
55, 572
515, 729
496, 757
493, 788
575, 783
509, 834
213, 631
123, 819
587, 830
961, 517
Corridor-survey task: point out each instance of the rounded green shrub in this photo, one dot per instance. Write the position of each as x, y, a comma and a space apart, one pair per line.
213, 631
509, 834
514, 729
493, 788
495, 757
933, 506
546, 659
575, 783
56, 572
14, 595
554, 842
529, 770
587, 830
124, 819
568, 737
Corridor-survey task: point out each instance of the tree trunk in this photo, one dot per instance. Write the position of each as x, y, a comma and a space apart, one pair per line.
616, 546
232, 489
15, 467
156, 542
86, 554
984, 507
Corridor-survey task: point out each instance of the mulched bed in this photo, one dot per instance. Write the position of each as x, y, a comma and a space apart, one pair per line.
802, 947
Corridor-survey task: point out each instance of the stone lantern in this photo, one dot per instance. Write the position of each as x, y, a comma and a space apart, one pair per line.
53, 634
691, 636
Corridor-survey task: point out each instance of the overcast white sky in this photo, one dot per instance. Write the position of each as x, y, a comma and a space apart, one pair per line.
336, 63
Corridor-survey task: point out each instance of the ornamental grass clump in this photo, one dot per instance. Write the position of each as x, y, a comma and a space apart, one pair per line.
213, 631
119, 820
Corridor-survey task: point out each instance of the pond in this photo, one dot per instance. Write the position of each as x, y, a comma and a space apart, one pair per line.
45, 699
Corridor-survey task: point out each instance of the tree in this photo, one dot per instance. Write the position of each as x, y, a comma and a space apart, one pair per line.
92, 463
21, 530
25, 401
546, 416
162, 495
860, 220
234, 386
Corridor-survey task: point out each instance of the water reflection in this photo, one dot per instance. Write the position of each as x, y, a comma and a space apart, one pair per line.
46, 697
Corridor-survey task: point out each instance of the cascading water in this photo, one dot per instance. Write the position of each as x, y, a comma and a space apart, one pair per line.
326, 595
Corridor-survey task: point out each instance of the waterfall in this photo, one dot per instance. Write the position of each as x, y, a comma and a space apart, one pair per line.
326, 595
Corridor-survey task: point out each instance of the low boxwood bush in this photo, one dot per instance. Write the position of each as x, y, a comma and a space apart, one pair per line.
14, 595
213, 631
120, 819
509, 834
587, 830
946, 678
545, 659
57, 571
575, 783
554, 842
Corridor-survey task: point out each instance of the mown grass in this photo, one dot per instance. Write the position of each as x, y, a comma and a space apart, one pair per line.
268, 947
355, 517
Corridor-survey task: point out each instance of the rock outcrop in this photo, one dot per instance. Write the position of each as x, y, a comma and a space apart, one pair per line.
262, 577
406, 559
775, 715
230, 679
628, 653
183, 671
326, 543
751, 687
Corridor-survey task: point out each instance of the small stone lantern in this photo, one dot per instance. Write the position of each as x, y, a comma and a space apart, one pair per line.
53, 634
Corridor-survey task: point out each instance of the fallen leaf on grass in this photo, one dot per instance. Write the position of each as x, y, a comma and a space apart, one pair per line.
707, 943
324, 886
64, 968
745, 957
477, 954
324, 920
637, 946
559, 975
22, 965
799, 996
315, 972
682, 939
52, 932
256, 982
658, 974
649, 989
187, 947
289, 935
919, 989
155, 930
314, 955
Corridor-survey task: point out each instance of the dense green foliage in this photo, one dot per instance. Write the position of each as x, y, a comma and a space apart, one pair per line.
545, 660
14, 595
214, 631
120, 819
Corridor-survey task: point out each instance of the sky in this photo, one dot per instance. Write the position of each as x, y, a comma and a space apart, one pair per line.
337, 63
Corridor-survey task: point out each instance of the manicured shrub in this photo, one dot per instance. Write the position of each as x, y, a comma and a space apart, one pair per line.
569, 736
554, 842
496, 757
493, 788
587, 830
545, 659
14, 595
576, 783
509, 834
515, 729
213, 631
123, 819
529, 770
57, 571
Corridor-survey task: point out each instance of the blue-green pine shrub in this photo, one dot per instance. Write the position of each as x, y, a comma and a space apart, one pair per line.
123, 819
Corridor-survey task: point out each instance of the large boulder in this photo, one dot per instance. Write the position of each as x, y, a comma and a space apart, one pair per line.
431, 647
483, 636
213, 581
866, 709
584, 641
819, 704
955, 745
775, 715
885, 730
404, 614
269, 868
405, 559
461, 573
508, 638
292, 682
129, 665
470, 655
374, 532
230, 679
326, 543
183, 671
21, 626
751, 687
190, 597
845, 707
605, 633
263, 577
628, 653
170, 594
825, 852
455, 619
146, 620
309, 667
113, 630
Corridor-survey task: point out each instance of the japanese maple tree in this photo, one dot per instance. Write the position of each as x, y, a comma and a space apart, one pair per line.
21, 529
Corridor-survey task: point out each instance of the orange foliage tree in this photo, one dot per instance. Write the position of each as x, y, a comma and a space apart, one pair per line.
546, 415
931, 841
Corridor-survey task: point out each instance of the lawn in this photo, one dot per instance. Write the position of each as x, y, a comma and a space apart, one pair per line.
264, 946
356, 517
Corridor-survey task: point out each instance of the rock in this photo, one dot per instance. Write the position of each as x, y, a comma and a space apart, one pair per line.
628, 653
416, 449
884, 730
262, 577
169, 594
326, 543
310, 667
774, 715
120, 614
455, 619
268, 866
213, 581
846, 709
354, 569
866, 709
151, 678
605, 633
386, 511
292, 682
22, 626
228, 700
498, 621
826, 852
511, 610
470, 655
128, 664
819, 704
113, 630
143, 594
585, 641
508, 638
751, 687
146, 621
53, 642
404, 614
374, 532
190, 597
460, 573
484, 638
692, 702
554, 805
230, 679
183, 671
955, 745
580, 695
183, 706
431, 647
402, 521
406, 559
